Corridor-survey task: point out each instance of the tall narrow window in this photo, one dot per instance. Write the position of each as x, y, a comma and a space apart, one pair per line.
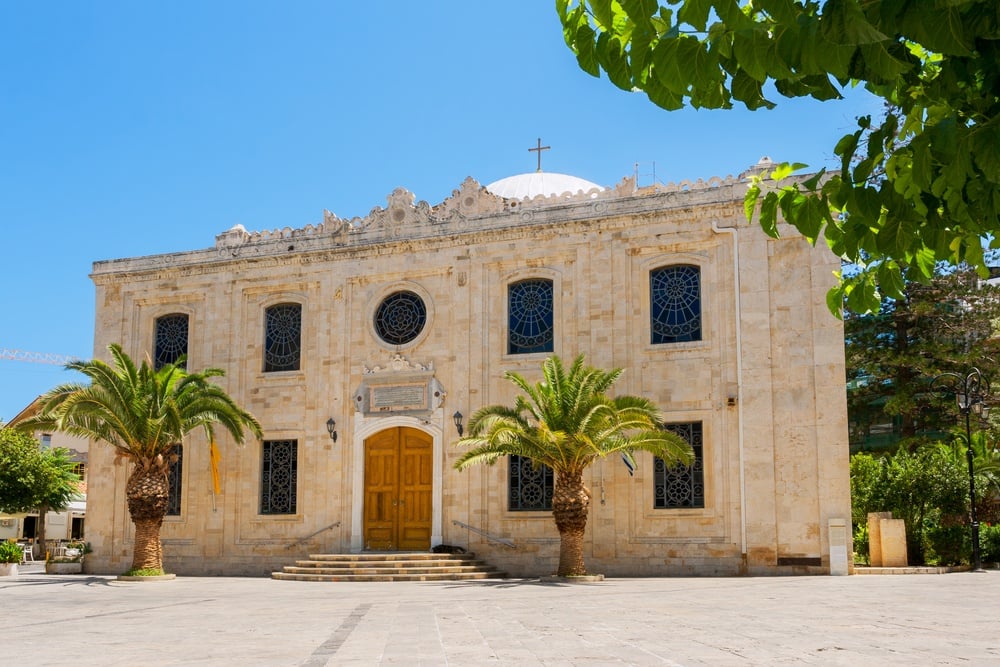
529, 487
171, 339
174, 481
681, 485
675, 304
279, 476
282, 337
529, 317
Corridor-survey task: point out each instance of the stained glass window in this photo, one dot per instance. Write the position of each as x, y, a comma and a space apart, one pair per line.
171, 339
529, 313
283, 337
681, 485
675, 304
530, 488
174, 483
279, 476
400, 318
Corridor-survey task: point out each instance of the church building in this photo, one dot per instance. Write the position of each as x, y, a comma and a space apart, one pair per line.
363, 345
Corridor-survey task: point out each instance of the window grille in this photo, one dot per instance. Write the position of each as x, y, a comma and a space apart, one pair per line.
283, 337
400, 318
530, 487
279, 477
675, 304
681, 485
171, 339
530, 317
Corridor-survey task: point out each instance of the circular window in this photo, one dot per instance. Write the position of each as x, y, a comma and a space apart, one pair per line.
400, 318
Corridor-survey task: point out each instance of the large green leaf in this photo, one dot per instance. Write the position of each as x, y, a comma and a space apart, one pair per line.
769, 214
586, 56
695, 13
611, 58
754, 51
749, 91
641, 12
843, 22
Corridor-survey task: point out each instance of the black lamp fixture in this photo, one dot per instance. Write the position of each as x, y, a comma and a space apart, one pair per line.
457, 417
971, 391
331, 428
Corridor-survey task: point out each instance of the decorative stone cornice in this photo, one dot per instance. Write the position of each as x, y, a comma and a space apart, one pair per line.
398, 364
470, 209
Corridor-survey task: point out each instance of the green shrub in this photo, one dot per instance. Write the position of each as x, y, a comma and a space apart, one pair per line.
145, 572
10, 552
946, 544
861, 553
919, 487
989, 543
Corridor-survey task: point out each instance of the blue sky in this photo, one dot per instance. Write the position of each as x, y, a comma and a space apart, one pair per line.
131, 129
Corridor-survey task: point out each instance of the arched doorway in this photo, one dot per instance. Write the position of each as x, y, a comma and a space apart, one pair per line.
398, 493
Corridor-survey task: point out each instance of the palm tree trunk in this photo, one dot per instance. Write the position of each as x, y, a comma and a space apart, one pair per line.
570, 506
147, 493
40, 531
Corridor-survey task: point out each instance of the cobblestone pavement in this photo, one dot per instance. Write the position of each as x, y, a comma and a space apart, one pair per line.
83, 620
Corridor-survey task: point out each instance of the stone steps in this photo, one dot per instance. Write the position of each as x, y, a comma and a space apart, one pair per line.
400, 566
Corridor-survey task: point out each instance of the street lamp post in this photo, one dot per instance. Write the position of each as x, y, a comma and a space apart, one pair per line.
971, 391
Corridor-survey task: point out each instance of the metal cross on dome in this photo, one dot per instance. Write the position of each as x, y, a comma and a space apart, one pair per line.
538, 149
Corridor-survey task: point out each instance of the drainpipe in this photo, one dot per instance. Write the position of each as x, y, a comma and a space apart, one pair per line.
733, 232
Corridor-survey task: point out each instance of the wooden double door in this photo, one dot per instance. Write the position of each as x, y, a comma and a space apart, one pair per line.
399, 484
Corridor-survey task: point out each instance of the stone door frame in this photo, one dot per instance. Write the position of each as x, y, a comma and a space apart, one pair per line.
366, 427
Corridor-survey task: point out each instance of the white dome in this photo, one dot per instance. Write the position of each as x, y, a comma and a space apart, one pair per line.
543, 183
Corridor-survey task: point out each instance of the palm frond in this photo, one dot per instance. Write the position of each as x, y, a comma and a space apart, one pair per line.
140, 411
566, 421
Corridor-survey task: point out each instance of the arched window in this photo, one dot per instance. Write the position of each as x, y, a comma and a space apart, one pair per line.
675, 304
283, 337
170, 341
529, 317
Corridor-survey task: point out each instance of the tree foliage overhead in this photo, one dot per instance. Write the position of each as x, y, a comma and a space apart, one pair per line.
918, 186
944, 325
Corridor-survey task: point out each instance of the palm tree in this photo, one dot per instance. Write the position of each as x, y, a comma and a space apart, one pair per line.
566, 422
143, 413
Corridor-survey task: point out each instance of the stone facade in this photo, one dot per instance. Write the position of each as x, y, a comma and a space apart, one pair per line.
765, 380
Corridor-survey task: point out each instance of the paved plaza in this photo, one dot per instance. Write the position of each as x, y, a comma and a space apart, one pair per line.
83, 620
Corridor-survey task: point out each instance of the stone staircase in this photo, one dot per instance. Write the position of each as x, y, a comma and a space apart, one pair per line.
395, 566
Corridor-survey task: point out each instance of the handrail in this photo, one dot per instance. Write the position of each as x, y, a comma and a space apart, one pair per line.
310, 535
479, 531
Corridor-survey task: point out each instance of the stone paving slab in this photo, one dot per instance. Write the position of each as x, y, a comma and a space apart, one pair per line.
83, 620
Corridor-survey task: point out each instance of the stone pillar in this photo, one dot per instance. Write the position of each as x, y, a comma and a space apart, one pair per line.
893, 533
886, 540
838, 546
875, 537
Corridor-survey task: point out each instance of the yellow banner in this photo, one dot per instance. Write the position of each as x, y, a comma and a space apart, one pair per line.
215, 458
